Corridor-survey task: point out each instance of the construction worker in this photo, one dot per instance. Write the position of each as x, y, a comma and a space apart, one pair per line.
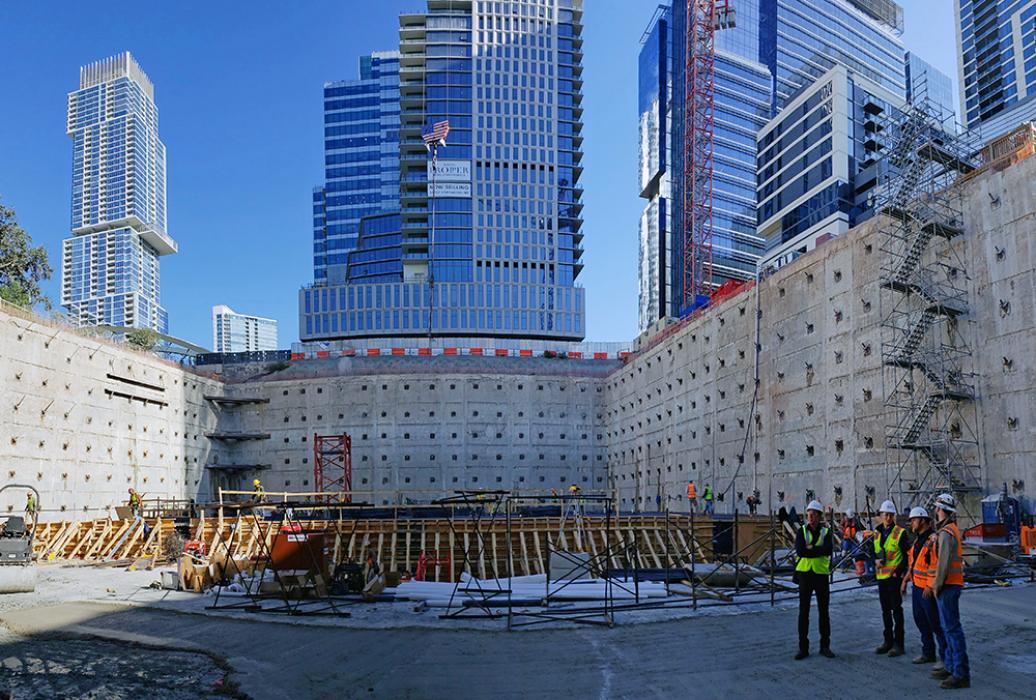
850, 526
922, 567
258, 493
753, 502
32, 509
812, 573
946, 586
890, 546
134, 503
692, 497
707, 497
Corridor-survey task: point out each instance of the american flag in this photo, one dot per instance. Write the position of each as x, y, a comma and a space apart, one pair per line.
437, 134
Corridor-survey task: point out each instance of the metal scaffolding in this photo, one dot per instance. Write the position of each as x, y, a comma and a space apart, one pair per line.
333, 465
931, 434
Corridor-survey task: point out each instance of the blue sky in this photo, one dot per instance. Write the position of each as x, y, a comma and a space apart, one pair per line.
239, 99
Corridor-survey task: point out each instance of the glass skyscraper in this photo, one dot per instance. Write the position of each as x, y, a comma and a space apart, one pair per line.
996, 63
742, 105
234, 332
361, 161
925, 81
494, 249
110, 267
820, 160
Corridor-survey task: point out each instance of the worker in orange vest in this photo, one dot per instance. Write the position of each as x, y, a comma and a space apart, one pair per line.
946, 585
692, 497
921, 556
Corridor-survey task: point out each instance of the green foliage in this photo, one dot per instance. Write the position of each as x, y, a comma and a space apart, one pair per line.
22, 266
142, 338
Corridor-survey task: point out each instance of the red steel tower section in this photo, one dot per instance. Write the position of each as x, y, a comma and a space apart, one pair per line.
699, 120
333, 465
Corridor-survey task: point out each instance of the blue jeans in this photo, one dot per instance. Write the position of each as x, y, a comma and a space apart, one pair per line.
956, 655
926, 617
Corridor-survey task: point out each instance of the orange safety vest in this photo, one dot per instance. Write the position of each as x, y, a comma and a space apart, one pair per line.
849, 531
955, 576
692, 493
922, 569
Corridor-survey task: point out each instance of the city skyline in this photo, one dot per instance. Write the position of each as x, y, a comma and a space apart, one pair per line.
233, 200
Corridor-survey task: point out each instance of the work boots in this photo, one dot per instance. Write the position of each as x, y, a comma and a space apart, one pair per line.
884, 648
827, 653
922, 659
954, 682
941, 674
801, 655
896, 651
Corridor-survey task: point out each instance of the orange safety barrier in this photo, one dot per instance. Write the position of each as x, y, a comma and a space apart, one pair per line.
373, 351
349, 352
449, 351
575, 355
323, 353
475, 351
298, 356
424, 351
525, 353
600, 356
399, 351
625, 355
501, 352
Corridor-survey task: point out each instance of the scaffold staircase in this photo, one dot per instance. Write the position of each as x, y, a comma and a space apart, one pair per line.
931, 440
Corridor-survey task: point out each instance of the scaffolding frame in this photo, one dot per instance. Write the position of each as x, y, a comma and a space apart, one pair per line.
333, 466
932, 440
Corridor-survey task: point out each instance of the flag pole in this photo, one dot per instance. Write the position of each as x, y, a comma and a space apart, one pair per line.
431, 244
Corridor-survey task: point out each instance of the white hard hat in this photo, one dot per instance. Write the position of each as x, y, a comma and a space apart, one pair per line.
946, 502
887, 507
850, 513
815, 505
918, 512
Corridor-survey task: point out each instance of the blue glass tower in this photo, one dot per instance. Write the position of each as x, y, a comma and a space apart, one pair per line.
109, 267
500, 232
996, 61
925, 81
361, 161
776, 49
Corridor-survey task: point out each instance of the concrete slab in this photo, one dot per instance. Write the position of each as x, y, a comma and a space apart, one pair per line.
704, 657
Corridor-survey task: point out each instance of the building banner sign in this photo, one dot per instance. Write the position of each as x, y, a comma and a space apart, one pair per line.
450, 171
450, 189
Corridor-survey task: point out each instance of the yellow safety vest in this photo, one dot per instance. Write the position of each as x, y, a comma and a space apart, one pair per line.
893, 553
818, 565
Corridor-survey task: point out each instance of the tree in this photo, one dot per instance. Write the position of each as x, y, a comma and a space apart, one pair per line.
22, 266
142, 338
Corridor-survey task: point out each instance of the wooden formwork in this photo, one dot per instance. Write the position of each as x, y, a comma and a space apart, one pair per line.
482, 547
101, 540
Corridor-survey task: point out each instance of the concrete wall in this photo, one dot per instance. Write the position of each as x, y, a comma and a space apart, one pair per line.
680, 410
84, 419
428, 426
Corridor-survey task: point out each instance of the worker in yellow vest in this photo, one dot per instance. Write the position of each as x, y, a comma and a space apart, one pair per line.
946, 584
32, 509
134, 503
813, 574
921, 558
707, 496
692, 497
258, 492
890, 561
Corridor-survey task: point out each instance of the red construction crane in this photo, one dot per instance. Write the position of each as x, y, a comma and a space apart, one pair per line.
704, 17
